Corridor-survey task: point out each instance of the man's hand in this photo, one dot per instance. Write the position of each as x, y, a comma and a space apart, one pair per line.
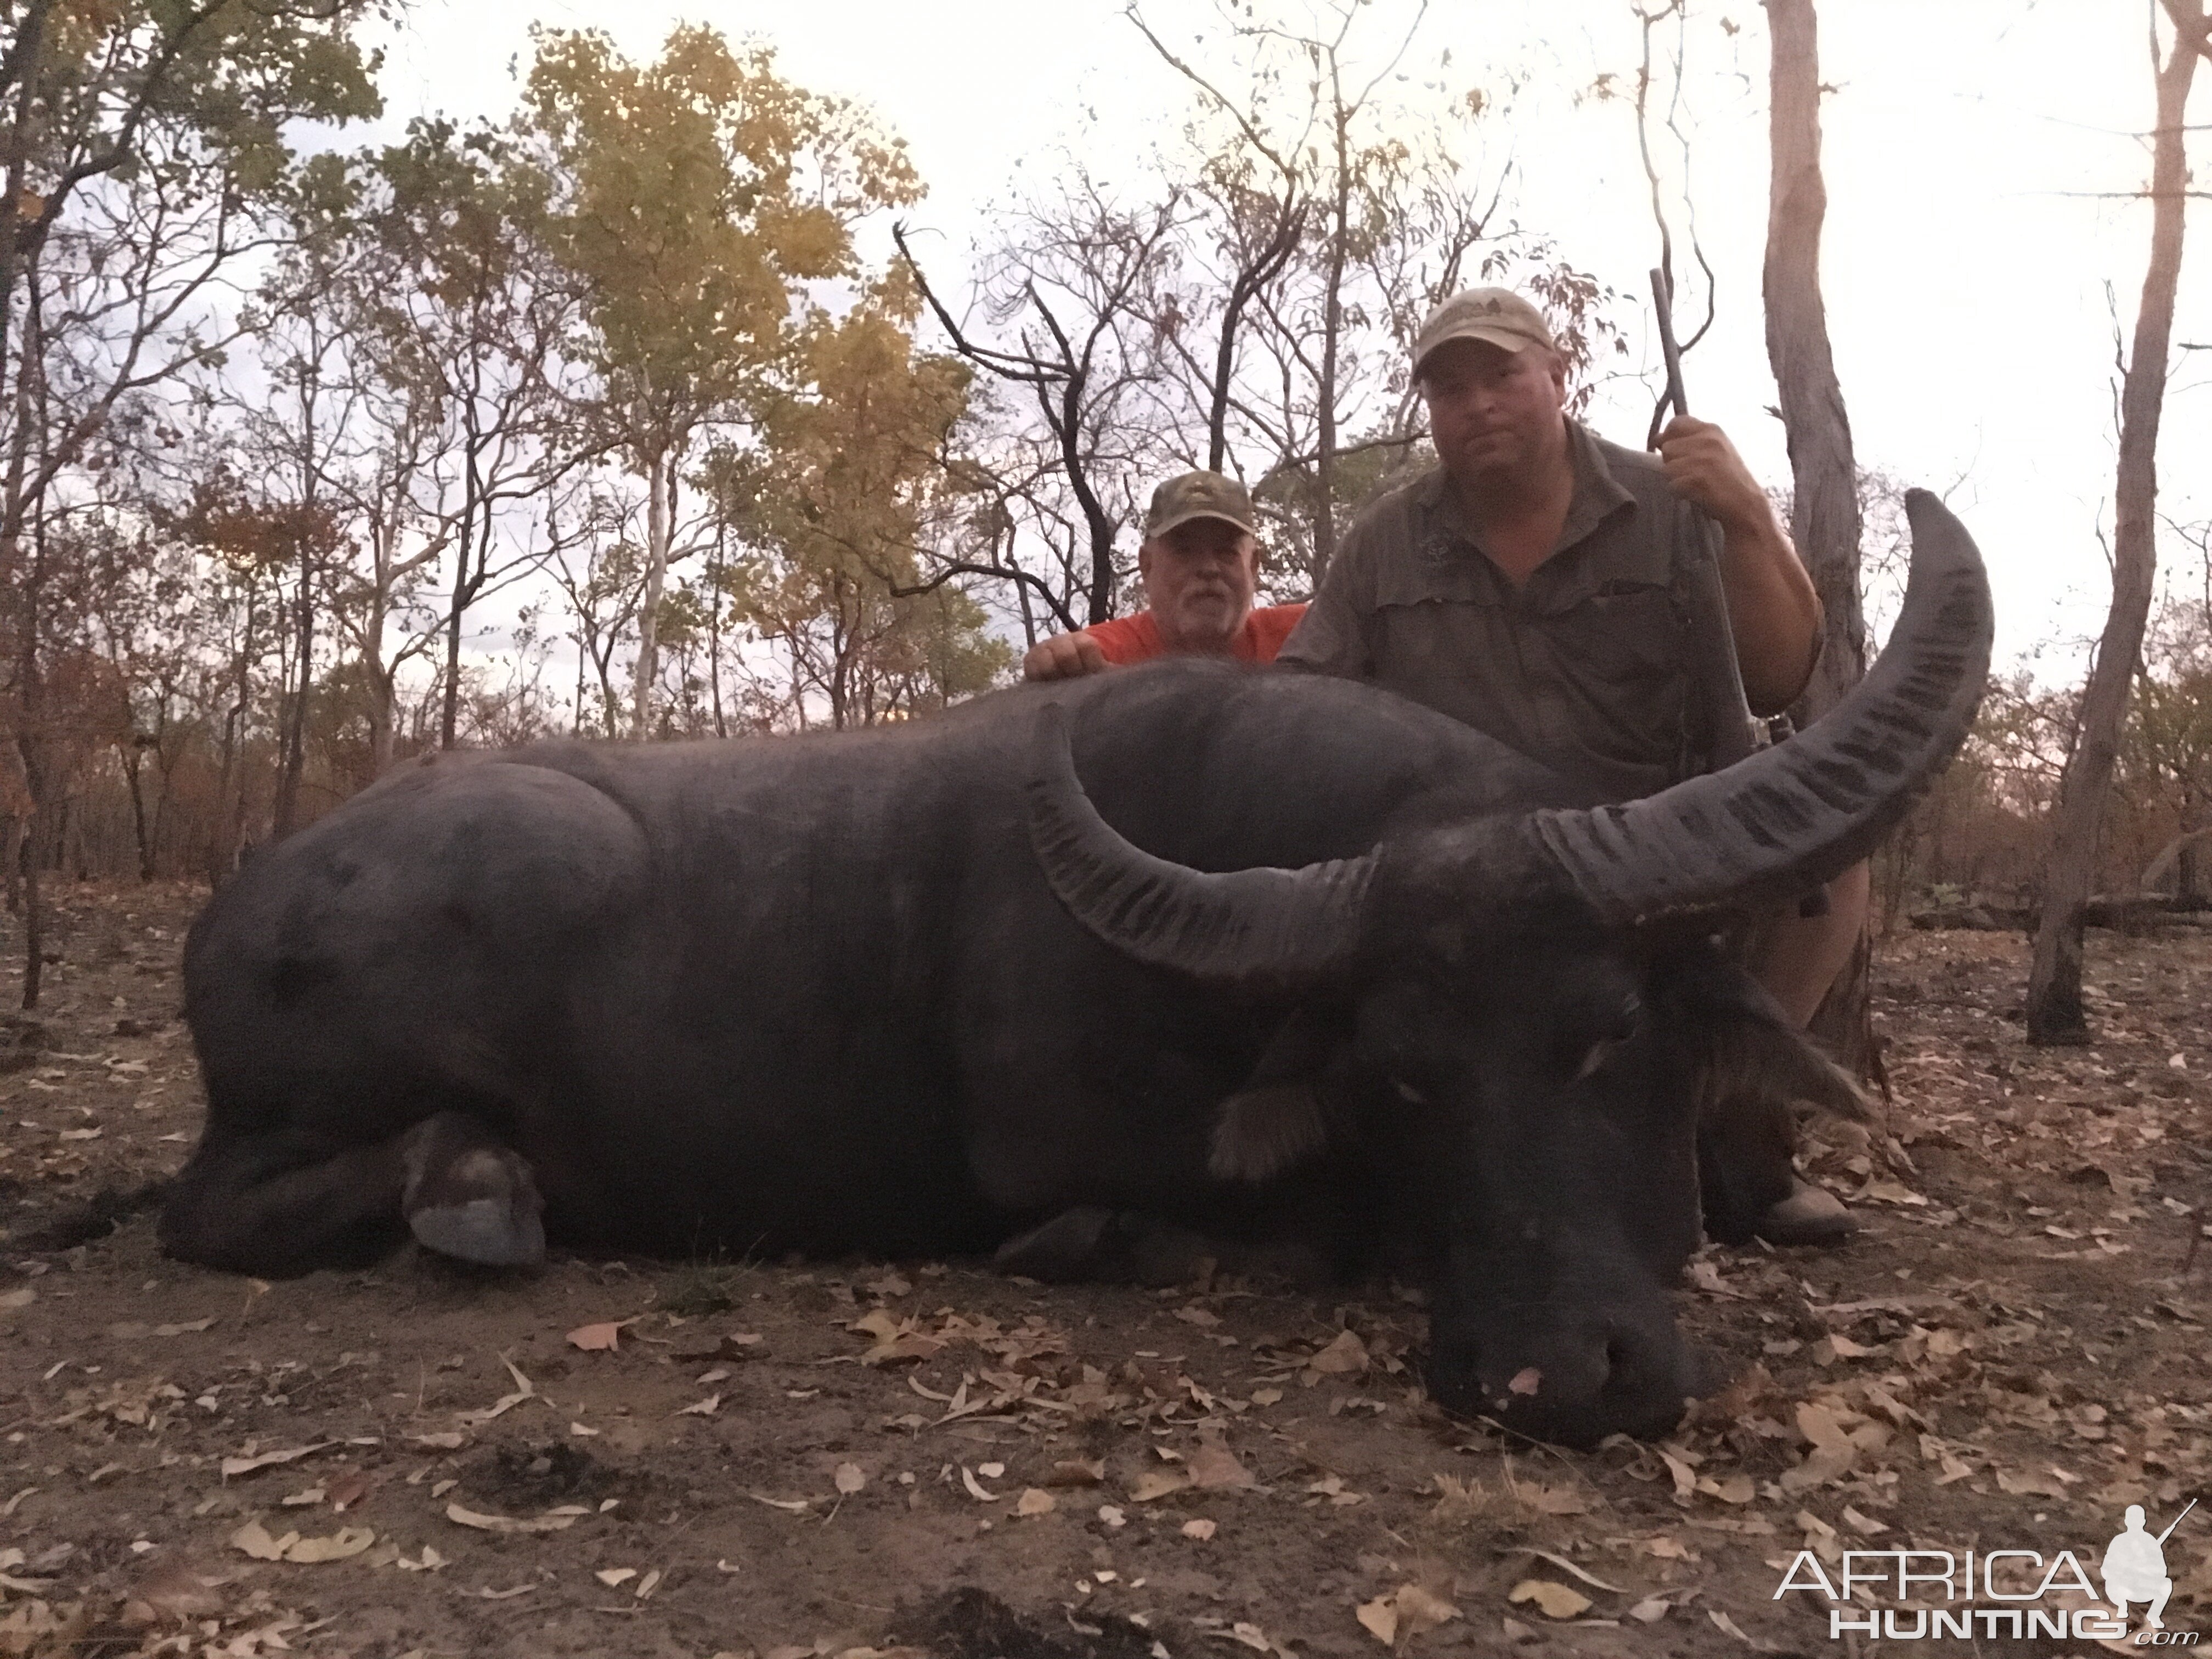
1064, 657
1704, 467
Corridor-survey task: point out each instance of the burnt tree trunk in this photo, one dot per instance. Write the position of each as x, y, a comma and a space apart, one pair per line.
2054, 986
1824, 516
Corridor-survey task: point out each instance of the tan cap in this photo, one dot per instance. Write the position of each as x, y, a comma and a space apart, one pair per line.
1198, 495
1496, 314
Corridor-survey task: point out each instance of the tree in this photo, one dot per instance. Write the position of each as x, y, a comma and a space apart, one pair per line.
142, 156
693, 198
1825, 514
848, 487
2054, 988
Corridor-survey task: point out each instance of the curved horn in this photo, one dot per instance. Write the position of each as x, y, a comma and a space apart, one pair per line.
1281, 928
1809, 809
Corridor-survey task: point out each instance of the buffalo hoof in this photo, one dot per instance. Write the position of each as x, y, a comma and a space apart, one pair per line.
477, 1204
1810, 1216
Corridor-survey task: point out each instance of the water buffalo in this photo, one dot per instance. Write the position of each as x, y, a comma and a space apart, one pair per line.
906, 991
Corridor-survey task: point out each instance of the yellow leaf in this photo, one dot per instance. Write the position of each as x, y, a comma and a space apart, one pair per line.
254, 1538
1150, 1488
1036, 1501
1557, 1599
347, 1540
598, 1339
1346, 1354
1380, 1619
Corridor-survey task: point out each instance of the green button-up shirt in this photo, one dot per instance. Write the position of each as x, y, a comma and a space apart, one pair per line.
1587, 667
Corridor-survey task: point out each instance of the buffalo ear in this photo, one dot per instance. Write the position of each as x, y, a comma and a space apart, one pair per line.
1264, 1130
1275, 1120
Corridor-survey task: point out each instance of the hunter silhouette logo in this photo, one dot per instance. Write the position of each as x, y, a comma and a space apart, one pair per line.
2135, 1567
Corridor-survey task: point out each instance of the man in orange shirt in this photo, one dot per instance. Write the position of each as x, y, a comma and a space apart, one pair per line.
1198, 563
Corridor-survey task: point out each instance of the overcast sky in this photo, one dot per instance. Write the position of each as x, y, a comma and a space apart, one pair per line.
1977, 155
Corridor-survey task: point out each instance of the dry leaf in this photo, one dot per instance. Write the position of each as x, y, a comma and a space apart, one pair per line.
1266, 1397
991, 1471
446, 1442
1526, 1381
705, 1407
1650, 1610
1078, 1472
1214, 1467
552, 1521
975, 1489
255, 1540
21, 1298
1557, 1599
598, 1339
231, 1466
1569, 1567
795, 1506
1347, 1354
346, 1542
1194, 1315
348, 1490
1202, 1530
611, 1576
429, 1561
1380, 1619
1035, 1501
1151, 1487
850, 1478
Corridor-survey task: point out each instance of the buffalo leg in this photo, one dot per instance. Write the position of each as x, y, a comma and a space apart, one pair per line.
469, 1197
289, 1202
285, 1203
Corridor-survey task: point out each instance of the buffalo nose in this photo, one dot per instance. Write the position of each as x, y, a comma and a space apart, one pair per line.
1573, 1384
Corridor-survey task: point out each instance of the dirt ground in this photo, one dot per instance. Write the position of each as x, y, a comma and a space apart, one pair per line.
785, 1461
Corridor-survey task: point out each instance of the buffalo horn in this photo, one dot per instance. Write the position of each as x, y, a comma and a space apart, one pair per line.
1276, 929
1769, 827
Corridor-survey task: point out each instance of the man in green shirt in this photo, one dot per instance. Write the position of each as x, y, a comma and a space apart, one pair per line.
1539, 583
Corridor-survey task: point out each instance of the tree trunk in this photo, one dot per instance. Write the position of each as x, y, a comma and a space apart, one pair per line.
1824, 517
134, 760
659, 517
2054, 986
294, 758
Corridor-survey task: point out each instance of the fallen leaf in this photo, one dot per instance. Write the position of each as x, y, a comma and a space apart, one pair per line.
1346, 1354
705, 1407
231, 1466
1266, 1397
446, 1441
646, 1585
552, 1521
257, 1541
346, 1542
1569, 1567
850, 1478
795, 1506
1379, 1617
1202, 1530
975, 1489
1035, 1501
429, 1561
175, 1592
611, 1576
991, 1471
1151, 1487
1080, 1472
1526, 1381
1194, 1315
23, 1297
348, 1490
1557, 1599
1214, 1467
598, 1339
1650, 1610
1865, 1524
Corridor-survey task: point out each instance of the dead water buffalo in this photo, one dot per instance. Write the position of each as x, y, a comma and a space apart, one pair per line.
907, 991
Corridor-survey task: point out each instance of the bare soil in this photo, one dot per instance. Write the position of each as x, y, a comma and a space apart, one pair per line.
789, 1460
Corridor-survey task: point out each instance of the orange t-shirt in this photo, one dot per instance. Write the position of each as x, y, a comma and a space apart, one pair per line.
1129, 640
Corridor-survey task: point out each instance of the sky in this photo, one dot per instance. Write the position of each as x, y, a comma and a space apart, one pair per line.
1981, 246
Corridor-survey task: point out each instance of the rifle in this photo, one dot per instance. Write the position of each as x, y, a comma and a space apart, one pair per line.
1734, 732
2178, 1520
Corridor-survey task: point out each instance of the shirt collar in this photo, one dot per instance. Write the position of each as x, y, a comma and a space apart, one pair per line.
1597, 493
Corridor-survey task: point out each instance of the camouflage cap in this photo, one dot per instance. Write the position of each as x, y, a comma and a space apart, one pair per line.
1198, 495
1496, 314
